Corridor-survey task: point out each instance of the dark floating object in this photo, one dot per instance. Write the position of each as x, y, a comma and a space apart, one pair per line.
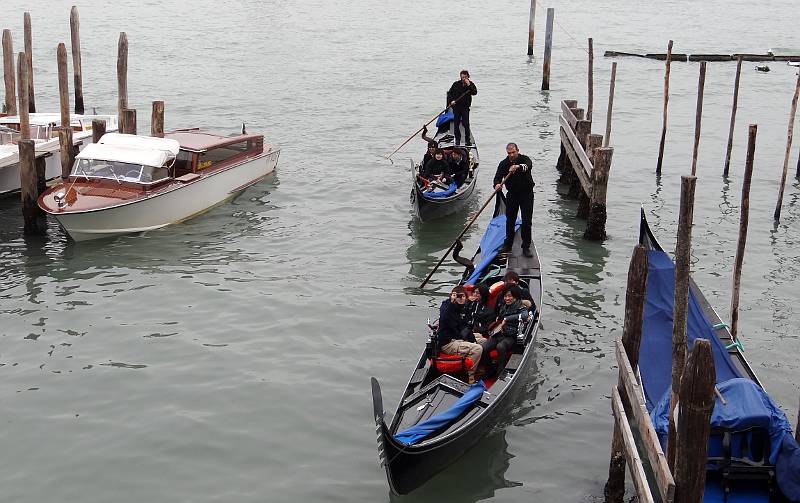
762, 68
430, 392
769, 56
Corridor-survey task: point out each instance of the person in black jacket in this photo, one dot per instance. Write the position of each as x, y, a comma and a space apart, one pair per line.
458, 169
519, 195
510, 314
436, 168
459, 97
454, 337
479, 314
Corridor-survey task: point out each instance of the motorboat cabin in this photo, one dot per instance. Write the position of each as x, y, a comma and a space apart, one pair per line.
128, 183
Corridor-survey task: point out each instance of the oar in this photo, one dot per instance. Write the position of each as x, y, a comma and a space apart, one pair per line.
502, 182
424, 126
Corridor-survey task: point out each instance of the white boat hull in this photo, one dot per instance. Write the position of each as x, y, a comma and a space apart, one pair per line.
176, 205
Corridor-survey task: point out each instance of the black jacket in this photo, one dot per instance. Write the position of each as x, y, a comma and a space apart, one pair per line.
457, 89
455, 168
434, 167
479, 316
519, 182
512, 315
452, 324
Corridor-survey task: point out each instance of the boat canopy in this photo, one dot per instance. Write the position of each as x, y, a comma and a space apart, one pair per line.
492, 241
132, 149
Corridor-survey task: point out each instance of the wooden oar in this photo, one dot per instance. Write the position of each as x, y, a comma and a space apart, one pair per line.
502, 182
424, 126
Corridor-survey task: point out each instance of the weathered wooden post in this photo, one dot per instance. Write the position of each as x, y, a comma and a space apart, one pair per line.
635, 296
28, 42
28, 176
22, 84
666, 103
9, 78
610, 109
596, 223
65, 132
593, 141
75, 36
698, 116
590, 100
733, 115
548, 49
531, 27
743, 221
157, 119
694, 423
683, 251
122, 75
98, 129
129, 121
789, 135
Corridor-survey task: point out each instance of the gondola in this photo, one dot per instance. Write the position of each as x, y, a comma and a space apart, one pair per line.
752, 454
445, 200
453, 414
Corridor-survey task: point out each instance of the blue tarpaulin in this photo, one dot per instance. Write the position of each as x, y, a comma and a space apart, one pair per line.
492, 240
435, 423
451, 189
748, 405
445, 117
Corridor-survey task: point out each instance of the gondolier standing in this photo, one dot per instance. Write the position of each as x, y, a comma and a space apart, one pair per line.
459, 97
519, 196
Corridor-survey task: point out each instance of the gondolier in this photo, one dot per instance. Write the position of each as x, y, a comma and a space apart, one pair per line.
459, 97
519, 196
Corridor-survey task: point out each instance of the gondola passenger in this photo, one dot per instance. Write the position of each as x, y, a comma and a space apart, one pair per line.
509, 316
479, 314
458, 167
454, 336
429, 153
436, 168
512, 278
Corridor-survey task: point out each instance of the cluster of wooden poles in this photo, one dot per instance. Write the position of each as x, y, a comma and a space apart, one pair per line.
700, 87
548, 42
32, 177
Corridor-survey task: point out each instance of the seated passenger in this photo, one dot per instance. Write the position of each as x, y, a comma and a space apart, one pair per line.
429, 154
504, 336
479, 314
512, 278
436, 168
454, 336
459, 168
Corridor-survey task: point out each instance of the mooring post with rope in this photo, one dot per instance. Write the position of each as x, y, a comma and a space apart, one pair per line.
472, 221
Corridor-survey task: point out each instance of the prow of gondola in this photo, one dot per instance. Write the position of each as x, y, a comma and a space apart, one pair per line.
462, 260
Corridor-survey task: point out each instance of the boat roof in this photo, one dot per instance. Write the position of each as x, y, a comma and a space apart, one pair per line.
44, 119
133, 149
200, 141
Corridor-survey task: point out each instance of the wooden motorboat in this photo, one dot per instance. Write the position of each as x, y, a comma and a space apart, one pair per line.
432, 394
127, 183
44, 133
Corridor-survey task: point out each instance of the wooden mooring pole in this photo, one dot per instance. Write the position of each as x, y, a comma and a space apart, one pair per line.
698, 116
531, 27
743, 221
789, 134
9, 77
22, 84
694, 423
65, 132
122, 76
596, 222
75, 36
128, 121
666, 103
157, 119
610, 108
635, 296
98, 129
28, 42
590, 71
548, 49
733, 116
28, 174
683, 251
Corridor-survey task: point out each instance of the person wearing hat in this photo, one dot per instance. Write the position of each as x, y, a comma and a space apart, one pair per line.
459, 97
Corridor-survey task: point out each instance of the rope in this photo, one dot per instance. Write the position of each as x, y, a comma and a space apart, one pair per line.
577, 44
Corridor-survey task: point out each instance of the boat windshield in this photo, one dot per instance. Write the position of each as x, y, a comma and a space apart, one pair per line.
119, 171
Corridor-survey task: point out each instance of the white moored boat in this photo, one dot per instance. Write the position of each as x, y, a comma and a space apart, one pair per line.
127, 183
44, 133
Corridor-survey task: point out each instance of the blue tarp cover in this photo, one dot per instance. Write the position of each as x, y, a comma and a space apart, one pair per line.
445, 117
748, 405
451, 189
420, 431
492, 240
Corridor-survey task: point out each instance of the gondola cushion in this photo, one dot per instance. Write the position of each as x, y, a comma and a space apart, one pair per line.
452, 364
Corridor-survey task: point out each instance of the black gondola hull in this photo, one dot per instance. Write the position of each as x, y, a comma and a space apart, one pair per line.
430, 209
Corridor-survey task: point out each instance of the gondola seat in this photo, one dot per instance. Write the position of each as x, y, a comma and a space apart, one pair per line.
452, 364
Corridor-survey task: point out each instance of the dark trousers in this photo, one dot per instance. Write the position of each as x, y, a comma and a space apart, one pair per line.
504, 345
515, 202
461, 116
